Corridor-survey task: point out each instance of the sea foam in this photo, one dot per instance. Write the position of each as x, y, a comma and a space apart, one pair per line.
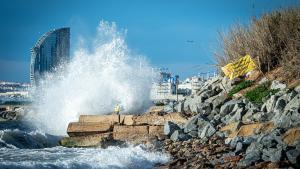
133, 157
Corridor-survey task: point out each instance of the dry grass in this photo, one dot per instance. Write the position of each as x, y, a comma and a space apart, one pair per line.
272, 40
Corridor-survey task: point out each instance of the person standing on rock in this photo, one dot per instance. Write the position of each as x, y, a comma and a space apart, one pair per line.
117, 109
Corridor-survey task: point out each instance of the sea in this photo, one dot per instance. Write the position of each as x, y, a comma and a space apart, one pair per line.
24, 147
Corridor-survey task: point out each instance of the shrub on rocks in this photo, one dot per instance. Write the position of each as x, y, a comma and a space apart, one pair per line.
239, 87
257, 94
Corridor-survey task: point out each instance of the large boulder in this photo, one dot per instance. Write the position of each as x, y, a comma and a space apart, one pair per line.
8, 115
277, 85
294, 104
228, 107
192, 103
226, 84
191, 124
286, 119
205, 128
270, 104
170, 127
272, 154
297, 89
178, 135
253, 154
217, 100
294, 156
237, 115
205, 108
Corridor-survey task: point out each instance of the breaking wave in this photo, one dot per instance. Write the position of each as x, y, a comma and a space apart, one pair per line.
93, 82
24, 147
133, 157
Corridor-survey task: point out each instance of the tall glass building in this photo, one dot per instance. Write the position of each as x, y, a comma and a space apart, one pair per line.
50, 50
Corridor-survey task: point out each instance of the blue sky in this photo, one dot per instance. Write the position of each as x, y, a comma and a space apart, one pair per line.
158, 29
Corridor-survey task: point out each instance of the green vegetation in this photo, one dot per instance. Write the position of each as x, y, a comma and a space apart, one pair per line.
239, 87
257, 94
272, 40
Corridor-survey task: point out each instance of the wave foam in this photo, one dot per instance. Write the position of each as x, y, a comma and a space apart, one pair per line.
93, 83
59, 157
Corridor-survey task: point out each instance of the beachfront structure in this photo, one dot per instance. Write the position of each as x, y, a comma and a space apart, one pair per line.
50, 50
165, 87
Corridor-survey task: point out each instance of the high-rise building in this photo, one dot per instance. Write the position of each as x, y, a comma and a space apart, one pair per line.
50, 50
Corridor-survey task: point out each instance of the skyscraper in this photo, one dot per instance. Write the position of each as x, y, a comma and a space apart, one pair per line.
50, 50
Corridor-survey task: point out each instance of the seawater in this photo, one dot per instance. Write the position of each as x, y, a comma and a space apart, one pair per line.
23, 146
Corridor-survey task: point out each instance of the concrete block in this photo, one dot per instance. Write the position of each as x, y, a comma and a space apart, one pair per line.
87, 128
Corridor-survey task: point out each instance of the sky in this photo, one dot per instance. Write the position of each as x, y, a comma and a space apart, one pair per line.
177, 34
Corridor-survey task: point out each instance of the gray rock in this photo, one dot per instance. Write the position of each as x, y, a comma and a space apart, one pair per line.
250, 159
226, 119
193, 133
254, 146
234, 141
219, 100
272, 154
170, 127
293, 156
220, 134
249, 140
8, 115
264, 107
291, 95
237, 116
228, 107
263, 80
202, 121
206, 131
205, 95
280, 104
277, 85
270, 139
226, 84
227, 141
297, 89
217, 117
247, 117
239, 147
270, 104
205, 108
286, 119
192, 104
253, 154
191, 124
260, 117
293, 104
178, 135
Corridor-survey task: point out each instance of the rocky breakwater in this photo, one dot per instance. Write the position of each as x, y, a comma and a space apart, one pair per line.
9, 114
104, 130
233, 132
